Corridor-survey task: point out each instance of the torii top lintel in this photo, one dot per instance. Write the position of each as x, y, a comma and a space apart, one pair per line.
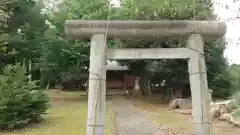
148, 29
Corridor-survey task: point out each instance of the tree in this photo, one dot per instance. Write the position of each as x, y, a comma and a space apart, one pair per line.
234, 72
53, 53
150, 10
23, 30
20, 102
73, 55
172, 10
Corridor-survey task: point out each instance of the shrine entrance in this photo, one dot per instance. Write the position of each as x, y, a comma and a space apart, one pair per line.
99, 31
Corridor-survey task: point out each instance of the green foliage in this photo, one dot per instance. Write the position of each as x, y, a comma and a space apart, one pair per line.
230, 78
20, 103
151, 10
62, 58
234, 73
71, 74
236, 114
236, 96
175, 69
30, 34
23, 30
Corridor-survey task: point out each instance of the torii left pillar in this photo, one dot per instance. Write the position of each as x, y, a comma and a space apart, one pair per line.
97, 85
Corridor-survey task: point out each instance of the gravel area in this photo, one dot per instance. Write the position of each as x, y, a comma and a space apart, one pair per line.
131, 121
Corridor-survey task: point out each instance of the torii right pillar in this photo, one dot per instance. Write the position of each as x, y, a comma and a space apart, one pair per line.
199, 86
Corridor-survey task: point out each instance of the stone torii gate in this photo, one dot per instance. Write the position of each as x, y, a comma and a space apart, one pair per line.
98, 30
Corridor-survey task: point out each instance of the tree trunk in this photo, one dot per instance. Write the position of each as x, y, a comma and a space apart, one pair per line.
29, 70
147, 86
87, 88
24, 62
149, 90
48, 85
142, 85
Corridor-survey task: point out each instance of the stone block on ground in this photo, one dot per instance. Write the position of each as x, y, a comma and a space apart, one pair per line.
180, 103
236, 123
225, 117
187, 112
228, 104
219, 108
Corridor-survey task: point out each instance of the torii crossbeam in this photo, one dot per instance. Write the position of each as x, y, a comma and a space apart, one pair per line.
194, 30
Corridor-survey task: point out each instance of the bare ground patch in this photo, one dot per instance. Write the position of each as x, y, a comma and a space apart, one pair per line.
174, 123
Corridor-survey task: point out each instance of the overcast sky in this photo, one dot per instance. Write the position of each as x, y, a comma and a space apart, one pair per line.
233, 28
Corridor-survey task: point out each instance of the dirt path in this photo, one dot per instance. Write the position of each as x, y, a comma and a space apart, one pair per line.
130, 121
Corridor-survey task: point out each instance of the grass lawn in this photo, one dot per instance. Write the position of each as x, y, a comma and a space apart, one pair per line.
64, 118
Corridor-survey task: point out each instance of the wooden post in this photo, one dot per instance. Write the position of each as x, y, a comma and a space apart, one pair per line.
97, 85
199, 86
